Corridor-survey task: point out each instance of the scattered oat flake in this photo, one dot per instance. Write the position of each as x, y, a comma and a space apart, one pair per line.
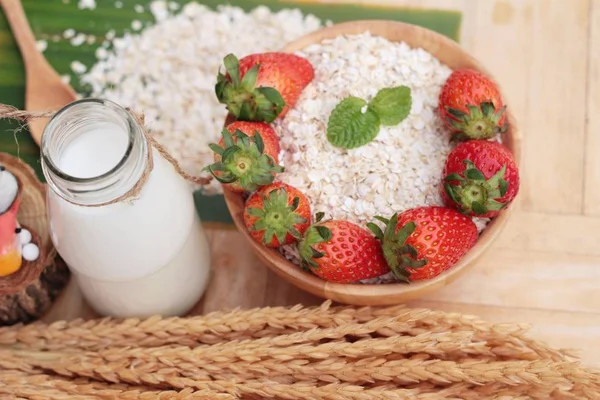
78, 39
69, 33
138, 8
119, 4
86, 4
41, 45
136, 25
159, 9
101, 53
78, 67
66, 79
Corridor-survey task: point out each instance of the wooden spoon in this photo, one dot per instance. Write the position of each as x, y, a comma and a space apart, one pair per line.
44, 89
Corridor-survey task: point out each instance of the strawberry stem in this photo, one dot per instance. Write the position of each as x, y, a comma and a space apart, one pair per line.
400, 257
277, 218
473, 193
480, 122
243, 99
314, 235
243, 161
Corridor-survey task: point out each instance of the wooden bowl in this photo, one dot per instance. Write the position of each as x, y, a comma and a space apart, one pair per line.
449, 53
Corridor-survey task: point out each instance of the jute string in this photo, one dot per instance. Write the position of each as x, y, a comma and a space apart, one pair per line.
10, 112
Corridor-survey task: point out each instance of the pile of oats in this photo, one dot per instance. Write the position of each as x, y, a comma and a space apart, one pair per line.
402, 167
168, 70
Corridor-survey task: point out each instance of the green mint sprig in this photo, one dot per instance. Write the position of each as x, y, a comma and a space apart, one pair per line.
354, 122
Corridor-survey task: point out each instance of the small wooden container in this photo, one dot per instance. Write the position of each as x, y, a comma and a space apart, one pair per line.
449, 53
27, 294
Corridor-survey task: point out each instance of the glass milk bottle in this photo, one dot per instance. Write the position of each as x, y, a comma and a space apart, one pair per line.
132, 256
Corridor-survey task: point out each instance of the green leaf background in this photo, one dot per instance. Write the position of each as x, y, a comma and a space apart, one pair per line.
50, 18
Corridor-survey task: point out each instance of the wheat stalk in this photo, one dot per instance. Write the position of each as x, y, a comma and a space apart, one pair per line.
429, 343
402, 371
48, 387
506, 340
511, 335
305, 345
44, 386
188, 331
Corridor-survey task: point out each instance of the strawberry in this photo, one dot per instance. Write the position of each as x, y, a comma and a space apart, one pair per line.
277, 214
471, 106
423, 242
480, 178
262, 87
246, 157
342, 252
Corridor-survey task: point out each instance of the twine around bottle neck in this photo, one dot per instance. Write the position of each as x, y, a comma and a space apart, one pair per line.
10, 112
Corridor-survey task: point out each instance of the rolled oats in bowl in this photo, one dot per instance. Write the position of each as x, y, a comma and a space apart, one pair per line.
401, 168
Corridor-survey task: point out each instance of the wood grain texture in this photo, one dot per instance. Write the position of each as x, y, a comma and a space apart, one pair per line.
544, 268
592, 145
543, 70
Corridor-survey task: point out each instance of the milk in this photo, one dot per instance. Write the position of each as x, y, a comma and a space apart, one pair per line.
96, 152
134, 258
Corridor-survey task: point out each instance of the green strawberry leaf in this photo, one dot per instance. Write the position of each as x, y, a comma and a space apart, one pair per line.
503, 187
479, 208
232, 65
392, 105
352, 124
376, 230
250, 77
324, 232
475, 174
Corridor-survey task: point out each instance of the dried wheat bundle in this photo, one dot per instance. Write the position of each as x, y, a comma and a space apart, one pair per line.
44, 386
156, 331
331, 368
505, 339
325, 352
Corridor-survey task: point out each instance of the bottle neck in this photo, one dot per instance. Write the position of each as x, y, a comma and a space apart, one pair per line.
93, 152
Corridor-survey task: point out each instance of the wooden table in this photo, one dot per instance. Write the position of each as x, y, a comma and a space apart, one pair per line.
545, 269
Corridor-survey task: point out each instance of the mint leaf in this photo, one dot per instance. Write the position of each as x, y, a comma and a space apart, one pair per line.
348, 127
392, 105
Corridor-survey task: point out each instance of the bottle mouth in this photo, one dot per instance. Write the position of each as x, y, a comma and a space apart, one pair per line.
93, 151
64, 123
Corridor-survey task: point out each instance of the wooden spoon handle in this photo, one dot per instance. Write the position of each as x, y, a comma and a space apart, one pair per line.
21, 30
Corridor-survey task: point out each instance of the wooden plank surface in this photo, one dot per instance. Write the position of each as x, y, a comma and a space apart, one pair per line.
592, 159
545, 269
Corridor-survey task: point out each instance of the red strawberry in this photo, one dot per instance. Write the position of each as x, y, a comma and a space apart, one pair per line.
342, 252
262, 87
423, 242
246, 157
480, 178
471, 106
277, 214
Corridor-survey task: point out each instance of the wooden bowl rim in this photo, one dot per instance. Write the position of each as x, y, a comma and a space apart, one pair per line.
388, 293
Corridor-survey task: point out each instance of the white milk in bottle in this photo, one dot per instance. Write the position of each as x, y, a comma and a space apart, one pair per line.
133, 253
